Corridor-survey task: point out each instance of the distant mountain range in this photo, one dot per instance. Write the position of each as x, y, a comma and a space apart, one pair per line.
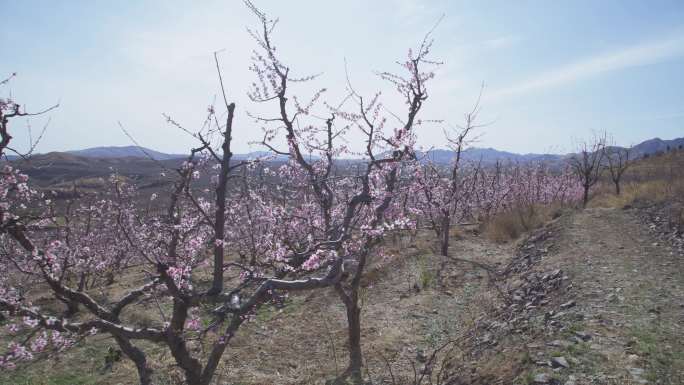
60, 169
142, 152
132, 161
123, 152
487, 155
490, 155
655, 145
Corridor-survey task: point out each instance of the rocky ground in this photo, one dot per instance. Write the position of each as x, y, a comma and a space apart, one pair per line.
604, 304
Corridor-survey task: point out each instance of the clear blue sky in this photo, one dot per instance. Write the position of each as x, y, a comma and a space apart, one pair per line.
554, 70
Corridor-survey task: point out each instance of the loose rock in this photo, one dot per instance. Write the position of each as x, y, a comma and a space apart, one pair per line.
584, 336
559, 362
542, 378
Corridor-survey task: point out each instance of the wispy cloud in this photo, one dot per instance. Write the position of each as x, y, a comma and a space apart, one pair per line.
633, 56
665, 116
414, 12
409, 8
501, 42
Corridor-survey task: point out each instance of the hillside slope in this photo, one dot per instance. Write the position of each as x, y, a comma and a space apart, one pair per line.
59, 167
621, 317
124, 152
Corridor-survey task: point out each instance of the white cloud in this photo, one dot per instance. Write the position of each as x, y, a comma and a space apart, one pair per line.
637, 55
674, 115
409, 8
501, 42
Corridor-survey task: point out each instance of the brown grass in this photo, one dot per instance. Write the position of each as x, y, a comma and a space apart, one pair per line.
510, 225
656, 179
652, 191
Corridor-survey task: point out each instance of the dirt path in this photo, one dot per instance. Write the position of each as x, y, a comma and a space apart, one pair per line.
629, 296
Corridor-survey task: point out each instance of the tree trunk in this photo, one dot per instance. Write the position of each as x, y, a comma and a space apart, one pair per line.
138, 357
355, 354
353, 372
617, 187
220, 213
444, 241
71, 308
585, 199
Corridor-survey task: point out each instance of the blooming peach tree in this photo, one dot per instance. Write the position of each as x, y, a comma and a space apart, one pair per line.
208, 257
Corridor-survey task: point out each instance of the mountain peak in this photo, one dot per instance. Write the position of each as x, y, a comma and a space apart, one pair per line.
123, 152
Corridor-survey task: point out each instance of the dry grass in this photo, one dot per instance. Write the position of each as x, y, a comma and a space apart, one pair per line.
652, 191
655, 179
510, 225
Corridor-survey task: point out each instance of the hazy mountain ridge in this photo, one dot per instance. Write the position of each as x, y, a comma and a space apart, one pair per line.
122, 152
132, 161
62, 167
108, 152
489, 154
656, 145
